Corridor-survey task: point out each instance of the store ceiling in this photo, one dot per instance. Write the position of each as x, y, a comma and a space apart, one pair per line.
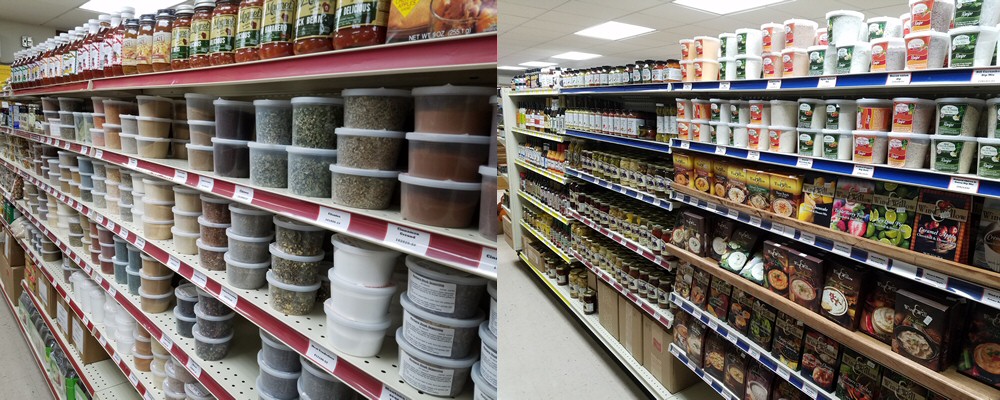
535, 30
58, 14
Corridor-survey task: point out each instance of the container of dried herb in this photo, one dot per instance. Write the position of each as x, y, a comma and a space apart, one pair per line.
157, 190
211, 257
186, 221
246, 275
386, 109
446, 156
291, 299
461, 302
231, 157
446, 204
210, 349
277, 354
157, 230
314, 120
250, 221
213, 326
249, 249
276, 383
297, 238
370, 189
234, 119
154, 303
295, 270
274, 121
369, 149
268, 165
215, 209
309, 170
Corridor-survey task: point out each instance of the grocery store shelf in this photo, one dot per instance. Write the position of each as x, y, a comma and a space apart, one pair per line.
974, 283
756, 352
635, 194
560, 178
467, 59
620, 140
29, 339
949, 383
663, 316
592, 323
620, 89
541, 238
539, 134
710, 380
463, 249
535, 92
374, 377
546, 209
626, 242
960, 183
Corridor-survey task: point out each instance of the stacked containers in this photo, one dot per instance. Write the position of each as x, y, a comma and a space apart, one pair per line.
953, 148
155, 290
184, 312
213, 243
158, 218
361, 290
234, 124
909, 139
187, 210
296, 260
313, 144
269, 154
213, 342
248, 258
200, 114
280, 369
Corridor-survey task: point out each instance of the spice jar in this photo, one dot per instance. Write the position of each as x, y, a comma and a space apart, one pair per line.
160, 56
277, 29
144, 44
223, 40
201, 33
314, 26
248, 30
562, 275
362, 23
130, 47
589, 302
180, 38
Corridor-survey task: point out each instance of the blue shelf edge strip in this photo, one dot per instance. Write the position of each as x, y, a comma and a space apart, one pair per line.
638, 143
653, 87
656, 201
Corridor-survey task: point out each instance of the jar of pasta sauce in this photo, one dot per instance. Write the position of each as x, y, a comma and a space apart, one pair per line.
160, 56
360, 23
180, 38
222, 45
314, 25
201, 33
277, 29
248, 30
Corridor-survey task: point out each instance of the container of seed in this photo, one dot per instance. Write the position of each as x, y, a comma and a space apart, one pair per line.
444, 156
268, 165
157, 230
180, 129
215, 209
248, 249
420, 327
249, 221
186, 221
178, 149
155, 106
157, 210
152, 127
234, 119
154, 303
232, 158
291, 299
277, 354
113, 109
369, 149
308, 168
200, 158
370, 189
152, 147
246, 275
211, 257
112, 135
201, 132
120, 275
380, 109
185, 242
187, 199
199, 107
213, 233
314, 120
184, 323
453, 109
276, 383
274, 121
211, 305
297, 238
434, 375
295, 270
213, 326
445, 204
210, 349
187, 297
155, 285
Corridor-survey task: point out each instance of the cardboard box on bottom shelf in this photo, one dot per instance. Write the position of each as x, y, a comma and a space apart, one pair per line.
62, 318
508, 231
630, 327
12, 251
666, 368
46, 296
89, 348
607, 308
11, 277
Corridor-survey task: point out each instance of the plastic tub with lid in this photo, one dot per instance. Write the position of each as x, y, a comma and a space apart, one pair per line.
437, 376
977, 13
379, 108
155, 106
438, 335
317, 384
155, 304
838, 144
157, 230
297, 238
314, 120
250, 221
210, 349
231, 158
309, 171
441, 156
293, 269
439, 203
200, 158
234, 120
175, 370
359, 339
491, 288
130, 125
811, 113
248, 249
358, 302
972, 46
186, 221
706, 47
274, 121
129, 144
187, 297
158, 375
931, 15
749, 42
461, 294
483, 390
772, 37
841, 114
268, 165
185, 242
158, 128
453, 109
276, 383
156, 285
372, 149
211, 257
845, 26
361, 262
772, 67
853, 57
213, 326
195, 391
870, 147
874, 114
187, 199
706, 70
912, 115
201, 132
798, 33
245, 275
987, 165
809, 142
215, 209
199, 106
794, 62
727, 44
180, 129
958, 115
277, 355
927, 50
362, 188
953, 154
291, 299
908, 150
884, 27
488, 353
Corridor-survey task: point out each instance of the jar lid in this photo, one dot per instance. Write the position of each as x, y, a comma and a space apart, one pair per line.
374, 173
230, 142
232, 103
272, 103
317, 100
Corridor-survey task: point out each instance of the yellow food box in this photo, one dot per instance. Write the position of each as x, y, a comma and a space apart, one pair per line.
683, 170
759, 189
736, 184
786, 194
703, 174
720, 174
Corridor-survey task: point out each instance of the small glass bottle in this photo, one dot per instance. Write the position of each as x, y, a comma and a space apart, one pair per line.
360, 23
248, 30
589, 302
144, 44
162, 35
201, 33
314, 26
117, 42
180, 38
223, 42
130, 47
277, 29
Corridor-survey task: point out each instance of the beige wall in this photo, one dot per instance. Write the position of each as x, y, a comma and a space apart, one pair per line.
10, 37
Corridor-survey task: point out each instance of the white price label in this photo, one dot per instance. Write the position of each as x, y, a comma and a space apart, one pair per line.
166, 342
102, 341
335, 218
321, 357
117, 358
133, 163
242, 193
407, 238
712, 324
99, 279
807, 238
78, 207
720, 150
803, 162
98, 153
809, 391
125, 234
733, 213
206, 183
174, 263
193, 367
99, 218
784, 374
753, 155
77, 259
488, 260
899, 78
707, 378
935, 279
731, 337
965, 185
85, 150
725, 85
686, 86
86, 321
87, 269
773, 84
227, 296
866, 171
992, 297
904, 269
389, 394
139, 243
199, 279
755, 221
842, 249
180, 176
133, 379
147, 396
685, 144
112, 291
878, 260
827, 82
782, 229
696, 313
990, 75
111, 226
754, 353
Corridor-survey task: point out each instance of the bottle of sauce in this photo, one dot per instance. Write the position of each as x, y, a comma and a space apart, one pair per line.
117, 37
130, 47
360, 23
160, 56
180, 38
277, 29
314, 25
85, 57
60, 53
201, 33
97, 54
223, 42
248, 30
69, 58
144, 46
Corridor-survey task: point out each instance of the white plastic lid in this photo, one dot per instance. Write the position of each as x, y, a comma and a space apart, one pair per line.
875, 102
749, 57
230, 142
794, 50
186, 292
971, 29
840, 101
343, 284
912, 35
841, 13
920, 137
271, 341
265, 146
153, 296
267, 369
438, 272
419, 312
727, 35
682, 41
370, 132
200, 123
445, 138
246, 210
357, 246
309, 151
196, 147
375, 92
184, 213
198, 96
333, 316
706, 37
487, 171
151, 98
311, 368
817, 47
273, 103
204, 222
800, 21
317, 100
705, 60
275, 251
992, 101
288, 223
451, 363
183, 317
893, 41
271, 280
154, 222
780, 128
213, 199
953, 138
176, 232
373, 173
961, 100
154, 119
201, 314
870, 133
155, 278
809, 130
990, 141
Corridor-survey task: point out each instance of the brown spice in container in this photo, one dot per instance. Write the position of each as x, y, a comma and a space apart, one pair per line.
439, 203
445, 157
213, 234
215, 209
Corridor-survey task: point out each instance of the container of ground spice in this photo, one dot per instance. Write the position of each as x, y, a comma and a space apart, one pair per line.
184, 323
201, 132
215, 209
249, 249
446, 204
427, 277
453, 109
369, 149
246, 275
214, 326
314, 120
296, 238
445, 156
210, 349
274, 121
234, 119
231, 157
187, 199
370, 189
268, 164
187, 297
211, 257
250, 221
200, 107
309, 171
213, 233
295, 270
154, 303
291, 299
385, 109
200, 158
157, 230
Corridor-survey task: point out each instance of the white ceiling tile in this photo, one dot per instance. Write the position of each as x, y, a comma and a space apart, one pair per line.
544, 4
518, 10
600, 11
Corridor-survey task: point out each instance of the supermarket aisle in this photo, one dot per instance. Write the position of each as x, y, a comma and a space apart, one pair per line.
556, 357
23, 379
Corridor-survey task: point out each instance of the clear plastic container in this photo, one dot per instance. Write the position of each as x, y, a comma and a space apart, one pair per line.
958, 115
200, 158
445, 204
386, 109
187, 199
362, 188
157, 210
213, 233
845, 26
234, 120
187, 297
157, 230
175, 370
112, 136
155, 304
437, 376
482, 389
180, 129
359, 302
152, 147
199, 107
972, 46
215, 209
277, 383
361, 262
268, 165
453, 109
246, 275
908, 150
210, 349
186, 221
113, 109
154, 127
213, 326
426, 278
309, 170
316, 383
277, 355
358, 339
155, 106
912, 115
211, 257
295, 270
249, 249
296, 238
369, 149
274, 121
927, 50
314, 120
231, 158
156, 285
97, 137
291, 299
195, 391
201, 132
870, 147
442, 156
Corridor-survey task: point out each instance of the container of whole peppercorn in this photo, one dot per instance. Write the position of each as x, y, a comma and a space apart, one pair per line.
446, 204
453, 109
445, 156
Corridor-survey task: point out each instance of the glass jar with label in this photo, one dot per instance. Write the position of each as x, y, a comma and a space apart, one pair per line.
248, 30
277, 29
130, 47
144, 45
114, 42
160, 56
314, 26
180, 38
589, 301
361, 23
222, 45
201, 33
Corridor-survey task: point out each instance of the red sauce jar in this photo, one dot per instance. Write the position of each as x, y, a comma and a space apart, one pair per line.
277, 29
144, 47
314, 26
248, 30
162, 35
180, 38
201, 33
223, 43
360, 23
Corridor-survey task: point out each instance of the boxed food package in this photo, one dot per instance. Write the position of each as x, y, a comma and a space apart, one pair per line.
683, 280
754, 270
820, 355
895, 386
806, 276
879, 308
776, 267
783, 390
786, 194
414, 20
740, 308
736, 184
941, 227
683, 170
761, 327
759, 381
703, 174
715, 355
859, 376
981, 346
720, 176
818, 191
737, 363
718, 298
759, 189
699, 287
844, 289
695, 342
921, 328
852, 206
788, 334
987, 253
739, 247
696, 228
681, 333
722, 232
894, 208
89, 348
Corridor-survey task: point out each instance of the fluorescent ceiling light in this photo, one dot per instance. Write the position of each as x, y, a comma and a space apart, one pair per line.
511, 68
576, 55
141, 7
537, 64
614, 30
723, 7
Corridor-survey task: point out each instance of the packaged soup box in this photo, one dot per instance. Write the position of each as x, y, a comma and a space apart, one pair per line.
820, 355
783, 390
740, 308
895, 386
759, 188
776, 267
683, 280
844, 289
786, 194
806, 276
980, 355
941, 227
718, 299
703, 181
696, 341
696, 227
879, 308
987, 248
859, 377
699, 287
739, 247
683, 170
720, 176
722, 232
788, 335
758, 382
920, 329
852, 206
715, 355
736, 184
818, 191
737, 363
761, 327
681, 322
894, 209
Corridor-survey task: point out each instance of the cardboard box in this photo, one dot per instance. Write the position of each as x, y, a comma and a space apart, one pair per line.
591, 280
508, 231
11, 277
630, 327
89, 348
659, 362
607, 308
62, 317
12, 251
47, 296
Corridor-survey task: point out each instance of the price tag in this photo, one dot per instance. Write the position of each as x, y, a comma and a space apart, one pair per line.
139, 242
193, 367
733, 213
389, 394
753, 155
731, 337
117, 358
724, 85
899, 78
990, 75
878, 260
85, 150
755, 221
935, 278
720, 150
782, 229
773, 84
753, 352
77, 259
205, 183
132, 378
199, 279
98, 153
335, 218
87, 269
827, 82
147, 396
78, 207
321, 357
991, 297
696, 313
784, 374
807, 238
866, 171
112, 291
686, 86
409, 239
166, 342
99, 279
133, 163
809, 391
904, 269
227, 296
99, 218
242, 193
685, 144
180, 176
711, 206
86, 321
713, 325
842, 249
125, 234
803, 162
173, 263
111, 226
965, 185
102, 341
488, 260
